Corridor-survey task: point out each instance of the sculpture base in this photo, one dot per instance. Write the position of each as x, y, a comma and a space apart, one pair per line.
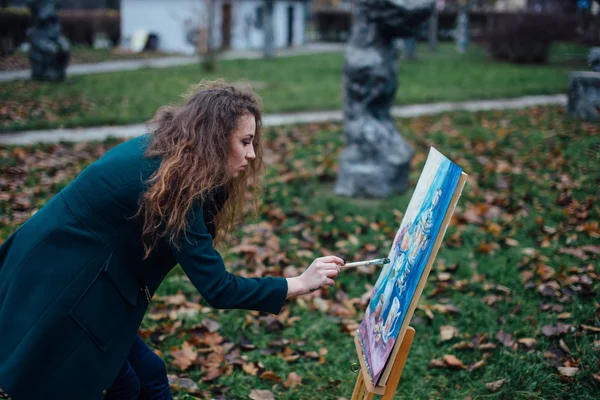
584, 95
375, 177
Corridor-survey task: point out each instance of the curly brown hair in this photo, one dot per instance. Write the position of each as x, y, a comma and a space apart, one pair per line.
192, 142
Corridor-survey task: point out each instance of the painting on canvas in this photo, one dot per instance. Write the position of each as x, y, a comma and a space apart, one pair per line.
411, 250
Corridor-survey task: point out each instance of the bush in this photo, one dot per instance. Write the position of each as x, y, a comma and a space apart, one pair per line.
80, 26
526, 37
333, 25
14, 23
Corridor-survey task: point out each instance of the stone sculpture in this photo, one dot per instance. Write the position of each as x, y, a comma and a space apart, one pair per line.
49, 52
376, 159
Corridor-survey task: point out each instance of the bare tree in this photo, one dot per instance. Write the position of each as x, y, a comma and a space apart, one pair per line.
269, 44
209, 61
434, 21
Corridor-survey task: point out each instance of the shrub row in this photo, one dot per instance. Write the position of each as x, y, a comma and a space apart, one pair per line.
335, 25
526, 37
14, 23
79, 26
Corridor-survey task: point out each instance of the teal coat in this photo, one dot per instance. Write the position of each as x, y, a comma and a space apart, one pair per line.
74, 286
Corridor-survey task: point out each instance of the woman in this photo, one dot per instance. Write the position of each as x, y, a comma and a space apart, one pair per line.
77, 277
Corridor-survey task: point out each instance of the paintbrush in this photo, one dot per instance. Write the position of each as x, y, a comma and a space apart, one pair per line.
377, 261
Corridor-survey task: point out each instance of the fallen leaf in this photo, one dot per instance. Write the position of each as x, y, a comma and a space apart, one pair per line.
293, 380
476, 365
447, 332
496, 385
564, 346
350, 326
568, 371
184, 357
270, 376
528, 342
182, 383
555, 330
464, 345
590, 328
250, 369
210, 325
453, 362
437, 363
257, 394
487, 346
575, 252
322, 353
505, 338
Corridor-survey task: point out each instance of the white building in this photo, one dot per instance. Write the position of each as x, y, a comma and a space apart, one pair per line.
181, 25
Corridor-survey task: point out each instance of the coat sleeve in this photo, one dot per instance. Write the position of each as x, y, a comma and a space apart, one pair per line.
221, 289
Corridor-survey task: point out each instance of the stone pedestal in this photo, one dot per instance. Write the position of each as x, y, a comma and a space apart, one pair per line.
376, 159
584, 95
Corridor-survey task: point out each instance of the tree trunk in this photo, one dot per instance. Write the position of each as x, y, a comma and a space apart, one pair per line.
433, 29
209, 62
269, 45
462, 29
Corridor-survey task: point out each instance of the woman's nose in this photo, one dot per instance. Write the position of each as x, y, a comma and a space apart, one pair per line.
250, 155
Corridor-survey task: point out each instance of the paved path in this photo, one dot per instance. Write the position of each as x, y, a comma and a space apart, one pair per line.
128, 131
173, 61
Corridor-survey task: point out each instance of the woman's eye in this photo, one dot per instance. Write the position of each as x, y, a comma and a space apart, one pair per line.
246, 142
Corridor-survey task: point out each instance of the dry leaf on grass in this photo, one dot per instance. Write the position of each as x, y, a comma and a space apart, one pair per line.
528, 342
568, 371
184, 357
447, 332
453, 362
257, 394
293, 380
250, 369
186, 384
270, 376
496, 385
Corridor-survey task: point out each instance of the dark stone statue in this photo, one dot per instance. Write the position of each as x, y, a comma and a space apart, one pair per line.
49, 52
376, 159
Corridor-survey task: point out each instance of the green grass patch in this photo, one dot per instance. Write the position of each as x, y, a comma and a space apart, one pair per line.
287, 84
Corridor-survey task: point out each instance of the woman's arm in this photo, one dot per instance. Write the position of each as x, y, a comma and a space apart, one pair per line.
221, 289
204, 267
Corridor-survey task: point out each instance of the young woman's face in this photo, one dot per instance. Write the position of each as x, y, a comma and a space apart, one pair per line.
241, 146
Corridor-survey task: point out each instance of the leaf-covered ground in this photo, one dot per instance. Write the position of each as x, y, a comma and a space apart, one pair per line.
511, 308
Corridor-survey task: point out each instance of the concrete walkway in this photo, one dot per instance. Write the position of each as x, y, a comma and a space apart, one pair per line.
128, 131
173, 61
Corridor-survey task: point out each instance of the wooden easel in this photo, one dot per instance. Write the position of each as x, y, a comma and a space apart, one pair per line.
364, 388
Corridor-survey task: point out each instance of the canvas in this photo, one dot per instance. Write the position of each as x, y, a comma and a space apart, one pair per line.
413, 247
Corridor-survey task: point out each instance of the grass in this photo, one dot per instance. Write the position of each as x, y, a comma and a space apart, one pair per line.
532, 193
287, 84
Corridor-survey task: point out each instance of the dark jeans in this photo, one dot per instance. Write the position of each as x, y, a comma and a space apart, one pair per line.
143, 376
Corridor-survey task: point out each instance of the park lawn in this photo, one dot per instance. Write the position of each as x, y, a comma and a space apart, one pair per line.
517, 275
286, 84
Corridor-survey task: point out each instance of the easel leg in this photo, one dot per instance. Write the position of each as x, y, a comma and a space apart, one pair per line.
396, 373
366, 391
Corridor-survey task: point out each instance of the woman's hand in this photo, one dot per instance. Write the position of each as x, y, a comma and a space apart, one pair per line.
321, 272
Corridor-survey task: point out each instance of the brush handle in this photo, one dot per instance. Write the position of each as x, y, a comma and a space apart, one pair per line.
362, 263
